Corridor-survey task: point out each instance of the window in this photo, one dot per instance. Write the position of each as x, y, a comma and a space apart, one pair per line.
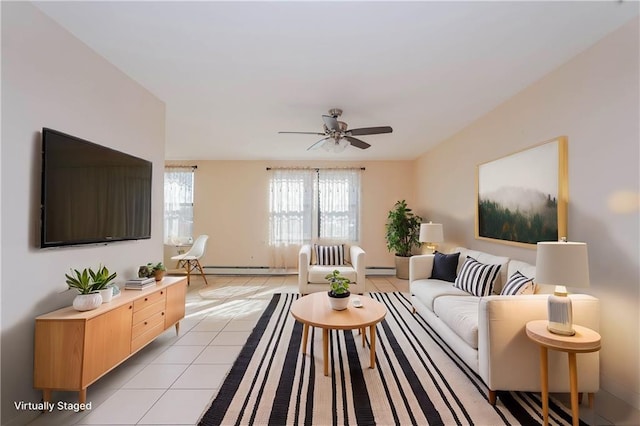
307, 204
178, 205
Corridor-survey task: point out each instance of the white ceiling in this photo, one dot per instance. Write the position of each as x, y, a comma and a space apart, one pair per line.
233, 74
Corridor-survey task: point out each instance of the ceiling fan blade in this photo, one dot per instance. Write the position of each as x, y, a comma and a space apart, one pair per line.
331, 123
357, 142
369, 131
318, 144
304, 133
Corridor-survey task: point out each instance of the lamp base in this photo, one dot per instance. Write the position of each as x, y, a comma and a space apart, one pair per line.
431, 248
560, 315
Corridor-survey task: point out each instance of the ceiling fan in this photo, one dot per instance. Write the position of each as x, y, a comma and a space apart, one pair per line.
337, 136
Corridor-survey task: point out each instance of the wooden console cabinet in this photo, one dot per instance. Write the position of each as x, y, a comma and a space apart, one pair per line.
74, 349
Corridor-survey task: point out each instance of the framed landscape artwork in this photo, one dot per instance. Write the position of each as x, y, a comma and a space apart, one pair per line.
522, 198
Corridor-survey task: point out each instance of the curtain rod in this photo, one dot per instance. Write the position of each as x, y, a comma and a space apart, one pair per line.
177, 166
316, 168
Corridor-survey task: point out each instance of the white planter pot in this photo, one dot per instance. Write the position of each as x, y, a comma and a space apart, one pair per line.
107, 294
339, 303
87, 302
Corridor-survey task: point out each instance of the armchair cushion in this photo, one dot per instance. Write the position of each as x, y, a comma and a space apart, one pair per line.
329, 255
318, 273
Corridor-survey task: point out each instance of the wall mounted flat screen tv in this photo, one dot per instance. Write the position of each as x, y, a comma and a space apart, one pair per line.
91, 193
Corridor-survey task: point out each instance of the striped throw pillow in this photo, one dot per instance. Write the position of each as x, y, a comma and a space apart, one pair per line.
518, 284
329, 255
476, 278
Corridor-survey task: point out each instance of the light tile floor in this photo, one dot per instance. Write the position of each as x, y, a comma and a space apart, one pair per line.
173, 380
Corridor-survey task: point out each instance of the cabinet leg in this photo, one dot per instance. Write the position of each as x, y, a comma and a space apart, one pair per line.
177, 328
46, 395
82, 396
591, 396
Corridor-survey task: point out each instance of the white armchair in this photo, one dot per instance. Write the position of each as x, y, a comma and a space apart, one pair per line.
311, 277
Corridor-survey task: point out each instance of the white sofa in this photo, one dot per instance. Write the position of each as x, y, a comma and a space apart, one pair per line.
311, 277
488, 333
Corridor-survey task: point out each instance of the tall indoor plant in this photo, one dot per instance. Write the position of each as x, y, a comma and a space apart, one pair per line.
403, 232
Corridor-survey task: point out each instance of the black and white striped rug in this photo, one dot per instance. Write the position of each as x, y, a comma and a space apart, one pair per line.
418, 380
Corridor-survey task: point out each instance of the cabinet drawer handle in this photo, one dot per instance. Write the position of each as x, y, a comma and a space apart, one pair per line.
163, 313
145, 323
130, 306
162, 292
145, 299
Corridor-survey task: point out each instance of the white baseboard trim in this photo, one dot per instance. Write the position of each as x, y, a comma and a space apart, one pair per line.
265, 270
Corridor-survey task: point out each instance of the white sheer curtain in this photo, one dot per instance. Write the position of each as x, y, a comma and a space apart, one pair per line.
339, 204
307, 204
178, 205
290, 214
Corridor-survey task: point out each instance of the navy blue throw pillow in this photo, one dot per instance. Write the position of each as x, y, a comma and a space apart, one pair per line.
445, 266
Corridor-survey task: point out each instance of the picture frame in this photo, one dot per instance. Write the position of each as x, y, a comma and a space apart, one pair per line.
522, 198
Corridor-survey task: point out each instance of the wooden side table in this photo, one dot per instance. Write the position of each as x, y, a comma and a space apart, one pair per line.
585, 340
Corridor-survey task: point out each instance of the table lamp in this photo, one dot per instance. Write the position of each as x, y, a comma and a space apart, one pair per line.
563, 264
431, 233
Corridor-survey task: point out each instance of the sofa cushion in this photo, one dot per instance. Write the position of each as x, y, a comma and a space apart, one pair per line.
317, 273
518, 284
445, 266
477, 278
460, 314
329, 255
427, 291
487, 258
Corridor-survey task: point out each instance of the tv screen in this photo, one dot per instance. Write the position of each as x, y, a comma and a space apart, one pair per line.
91, 193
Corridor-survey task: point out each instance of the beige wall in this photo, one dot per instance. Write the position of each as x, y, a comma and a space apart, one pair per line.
50, 79
593, 100
231, 206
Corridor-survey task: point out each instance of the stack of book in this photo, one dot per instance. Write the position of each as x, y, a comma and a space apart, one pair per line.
139, 283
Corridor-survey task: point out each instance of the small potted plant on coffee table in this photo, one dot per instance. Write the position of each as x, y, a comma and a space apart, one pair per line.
339, 293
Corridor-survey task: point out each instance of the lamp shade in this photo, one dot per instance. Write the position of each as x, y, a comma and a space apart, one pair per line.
431, 233
562, 263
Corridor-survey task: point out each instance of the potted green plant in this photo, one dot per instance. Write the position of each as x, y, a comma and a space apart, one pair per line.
84, 282
156, 270
403, 235
102, 282
339, 293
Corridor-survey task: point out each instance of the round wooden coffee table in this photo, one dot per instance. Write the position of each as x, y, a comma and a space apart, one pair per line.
314, 310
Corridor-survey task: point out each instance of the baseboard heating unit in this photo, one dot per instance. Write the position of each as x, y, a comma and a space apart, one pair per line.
266, 270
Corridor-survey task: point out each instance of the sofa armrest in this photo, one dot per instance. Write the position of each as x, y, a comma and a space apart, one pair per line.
356, 254
420, 267
508, 360
304, 260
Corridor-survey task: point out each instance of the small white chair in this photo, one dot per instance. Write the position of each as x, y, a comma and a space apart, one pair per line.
191, 259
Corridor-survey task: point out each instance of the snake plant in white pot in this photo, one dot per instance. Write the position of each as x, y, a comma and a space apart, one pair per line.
88, 284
